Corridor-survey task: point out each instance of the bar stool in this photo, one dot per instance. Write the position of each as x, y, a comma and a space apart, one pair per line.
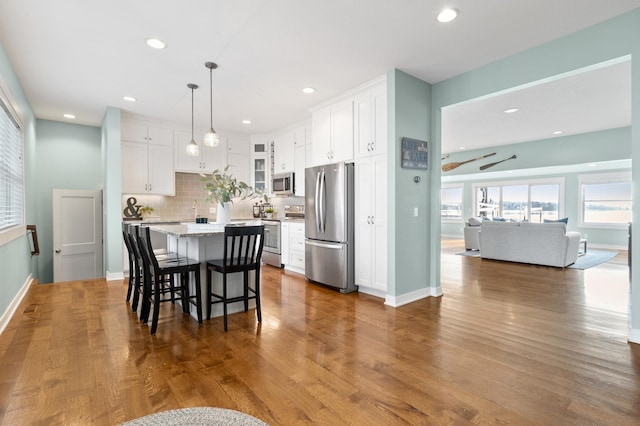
242, 253
159, 284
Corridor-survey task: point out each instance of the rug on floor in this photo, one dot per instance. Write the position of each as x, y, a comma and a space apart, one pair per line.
590, 259
470, 253
593, 258
197, 416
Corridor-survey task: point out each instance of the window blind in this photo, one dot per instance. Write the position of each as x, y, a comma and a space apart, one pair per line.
11, 170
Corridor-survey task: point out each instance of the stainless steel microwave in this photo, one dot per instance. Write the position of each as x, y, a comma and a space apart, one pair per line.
283, 183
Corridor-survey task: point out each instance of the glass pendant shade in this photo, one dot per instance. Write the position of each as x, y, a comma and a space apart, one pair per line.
192, 149
211, 138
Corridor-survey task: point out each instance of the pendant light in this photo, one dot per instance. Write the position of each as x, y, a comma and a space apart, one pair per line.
211, 138
192, 147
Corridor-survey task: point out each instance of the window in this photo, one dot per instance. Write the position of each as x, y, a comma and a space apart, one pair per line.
533, 201
605, 200
11, 164
451, 203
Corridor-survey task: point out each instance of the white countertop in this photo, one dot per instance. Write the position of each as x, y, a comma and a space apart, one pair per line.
199, 229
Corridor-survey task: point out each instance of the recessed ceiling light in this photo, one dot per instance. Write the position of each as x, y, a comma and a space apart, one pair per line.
308, 90
71, 116
246, 121
448, 15
510, 110
156, 43
557, 132
462, 148
129, 98
592, 165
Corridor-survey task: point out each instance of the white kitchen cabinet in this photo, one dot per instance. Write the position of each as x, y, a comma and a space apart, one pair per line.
371, 223
370, 122
259, 172
300, 160
332, 133
238, 157
147, 160
210, 159
283, 152
292, 247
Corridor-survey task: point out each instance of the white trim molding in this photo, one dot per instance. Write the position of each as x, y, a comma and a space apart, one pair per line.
13, 306
115, 276
403, 299
634, 335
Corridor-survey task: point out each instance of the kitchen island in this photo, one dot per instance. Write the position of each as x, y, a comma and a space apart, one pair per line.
203, 242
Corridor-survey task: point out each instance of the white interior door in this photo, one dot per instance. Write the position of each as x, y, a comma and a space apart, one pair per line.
77, 234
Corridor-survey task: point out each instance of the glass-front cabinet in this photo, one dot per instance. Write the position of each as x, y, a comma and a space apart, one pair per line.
259, 167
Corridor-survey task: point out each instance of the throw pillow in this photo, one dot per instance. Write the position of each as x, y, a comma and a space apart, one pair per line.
564, 220
474, 221
499, 219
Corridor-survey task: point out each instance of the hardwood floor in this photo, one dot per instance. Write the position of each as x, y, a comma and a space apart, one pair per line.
506, 344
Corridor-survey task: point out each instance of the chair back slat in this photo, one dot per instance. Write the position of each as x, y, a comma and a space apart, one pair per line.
243, 245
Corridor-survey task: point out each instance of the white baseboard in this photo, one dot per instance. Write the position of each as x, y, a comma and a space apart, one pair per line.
634, 335
13, 306
115, 276
372, 292
404, 299
606, 246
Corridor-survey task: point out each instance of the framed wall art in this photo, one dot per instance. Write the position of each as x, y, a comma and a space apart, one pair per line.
414, 154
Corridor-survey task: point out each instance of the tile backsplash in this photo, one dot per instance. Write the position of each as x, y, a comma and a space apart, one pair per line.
190, 190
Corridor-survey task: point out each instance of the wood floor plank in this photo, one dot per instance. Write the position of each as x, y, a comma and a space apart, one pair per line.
506, 344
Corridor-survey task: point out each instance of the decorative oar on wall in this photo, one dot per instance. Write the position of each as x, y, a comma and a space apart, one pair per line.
450, 166
486, 166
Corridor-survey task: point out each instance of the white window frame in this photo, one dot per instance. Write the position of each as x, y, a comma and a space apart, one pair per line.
599, 178
13, 232
543, 181
453, 220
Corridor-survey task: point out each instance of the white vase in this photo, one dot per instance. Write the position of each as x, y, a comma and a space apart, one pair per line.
223, 215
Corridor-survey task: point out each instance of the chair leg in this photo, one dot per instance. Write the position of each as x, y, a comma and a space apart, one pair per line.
257, 293
246, 290
209, 297
156, 305
198, 295
131, 281
224, 299
136, 292
184, 292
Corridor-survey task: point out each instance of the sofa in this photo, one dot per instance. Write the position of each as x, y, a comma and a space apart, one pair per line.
538, 243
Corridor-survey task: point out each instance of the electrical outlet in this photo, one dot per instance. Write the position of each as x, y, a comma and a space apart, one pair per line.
415, 212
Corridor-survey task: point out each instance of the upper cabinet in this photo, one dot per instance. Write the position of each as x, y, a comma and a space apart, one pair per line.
238, 157
147, 160
259, 172
210, 158
332, 133
283, 155
370, 122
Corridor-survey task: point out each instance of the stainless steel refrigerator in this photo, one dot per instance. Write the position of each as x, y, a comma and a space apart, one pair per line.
329, 226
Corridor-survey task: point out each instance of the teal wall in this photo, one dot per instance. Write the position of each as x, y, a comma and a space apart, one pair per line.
68, 157
16, 262
112, 193
607, 41
409, 237
606, 145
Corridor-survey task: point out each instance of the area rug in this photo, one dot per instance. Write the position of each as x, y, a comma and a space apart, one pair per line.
199, 416
593, 258
590, 259
470, 253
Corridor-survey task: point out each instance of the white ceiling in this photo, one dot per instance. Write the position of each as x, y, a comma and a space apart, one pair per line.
584, 101
78, 56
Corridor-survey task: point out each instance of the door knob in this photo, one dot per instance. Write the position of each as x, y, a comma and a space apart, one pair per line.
58, 251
